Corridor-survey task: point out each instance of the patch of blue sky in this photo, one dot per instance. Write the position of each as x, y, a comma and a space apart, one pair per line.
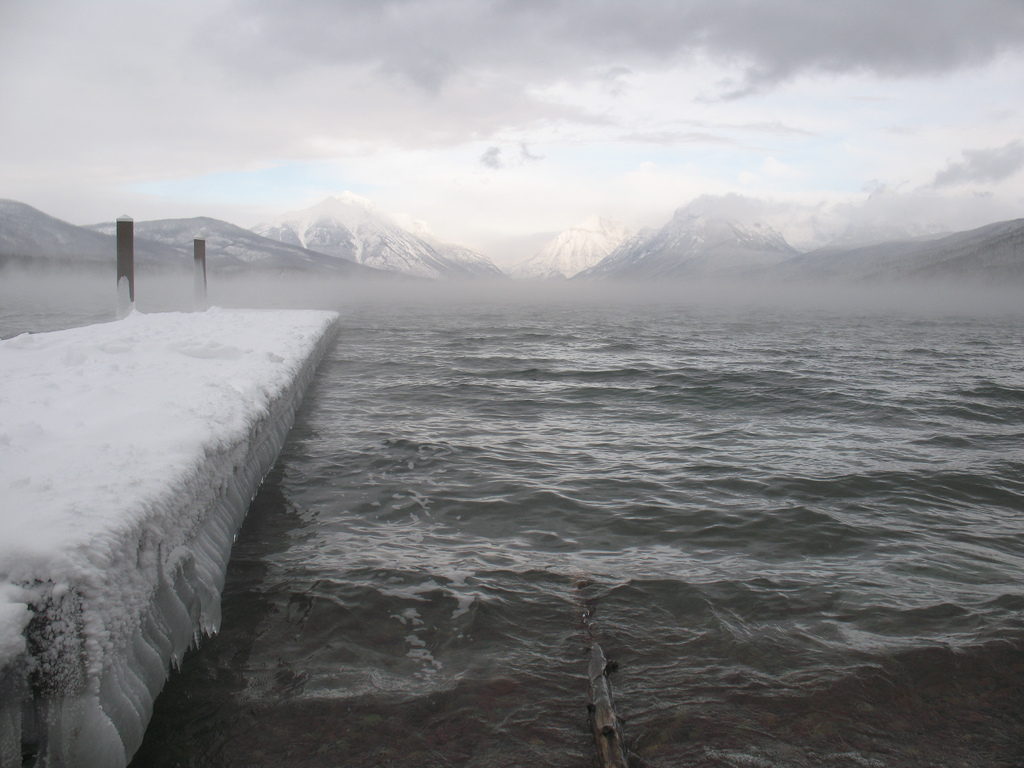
276, 185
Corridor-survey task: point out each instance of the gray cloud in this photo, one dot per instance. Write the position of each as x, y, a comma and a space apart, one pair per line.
219, 80
526, 156
614, 79
492, 158
429, 69
431, 41
981, 165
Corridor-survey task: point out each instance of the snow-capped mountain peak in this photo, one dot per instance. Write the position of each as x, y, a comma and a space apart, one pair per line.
695, 243
574, 250
354, 228
311, 227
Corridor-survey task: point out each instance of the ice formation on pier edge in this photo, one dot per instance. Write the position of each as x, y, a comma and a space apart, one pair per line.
129, 454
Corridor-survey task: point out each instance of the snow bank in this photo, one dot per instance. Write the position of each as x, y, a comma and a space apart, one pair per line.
129, 453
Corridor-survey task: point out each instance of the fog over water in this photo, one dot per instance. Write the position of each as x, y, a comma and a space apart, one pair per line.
47, 299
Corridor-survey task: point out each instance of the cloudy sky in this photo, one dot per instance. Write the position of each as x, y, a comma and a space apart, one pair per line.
500, 123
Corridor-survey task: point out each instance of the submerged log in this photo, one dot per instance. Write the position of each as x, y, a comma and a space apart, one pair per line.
604, 723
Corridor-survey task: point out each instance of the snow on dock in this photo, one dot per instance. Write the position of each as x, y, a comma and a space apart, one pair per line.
129, 453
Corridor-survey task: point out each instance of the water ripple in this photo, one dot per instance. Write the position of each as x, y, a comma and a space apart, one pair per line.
799, 536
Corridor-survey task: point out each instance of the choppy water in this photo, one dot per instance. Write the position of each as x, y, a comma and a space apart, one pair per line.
800, 533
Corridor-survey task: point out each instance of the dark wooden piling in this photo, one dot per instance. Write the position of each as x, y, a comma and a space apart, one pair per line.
605, 724
199, 294
125, 266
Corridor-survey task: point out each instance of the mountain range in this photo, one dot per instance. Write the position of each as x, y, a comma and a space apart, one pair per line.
351, 227
993, 253
347, 236
694, 245
228, 247
344, 235
29, 236
697, 245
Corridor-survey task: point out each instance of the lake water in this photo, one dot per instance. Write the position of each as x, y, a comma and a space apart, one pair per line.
799, 530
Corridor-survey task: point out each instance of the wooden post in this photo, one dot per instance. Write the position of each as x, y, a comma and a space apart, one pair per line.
125, 266
199, 294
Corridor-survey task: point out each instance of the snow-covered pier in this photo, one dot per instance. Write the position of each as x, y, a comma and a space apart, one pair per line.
129, 454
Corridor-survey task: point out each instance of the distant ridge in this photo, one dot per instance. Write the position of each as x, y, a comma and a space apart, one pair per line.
351, 227
232, 247
30, 237
992, 253
691, 245
574, 250
27, 233
694, 245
